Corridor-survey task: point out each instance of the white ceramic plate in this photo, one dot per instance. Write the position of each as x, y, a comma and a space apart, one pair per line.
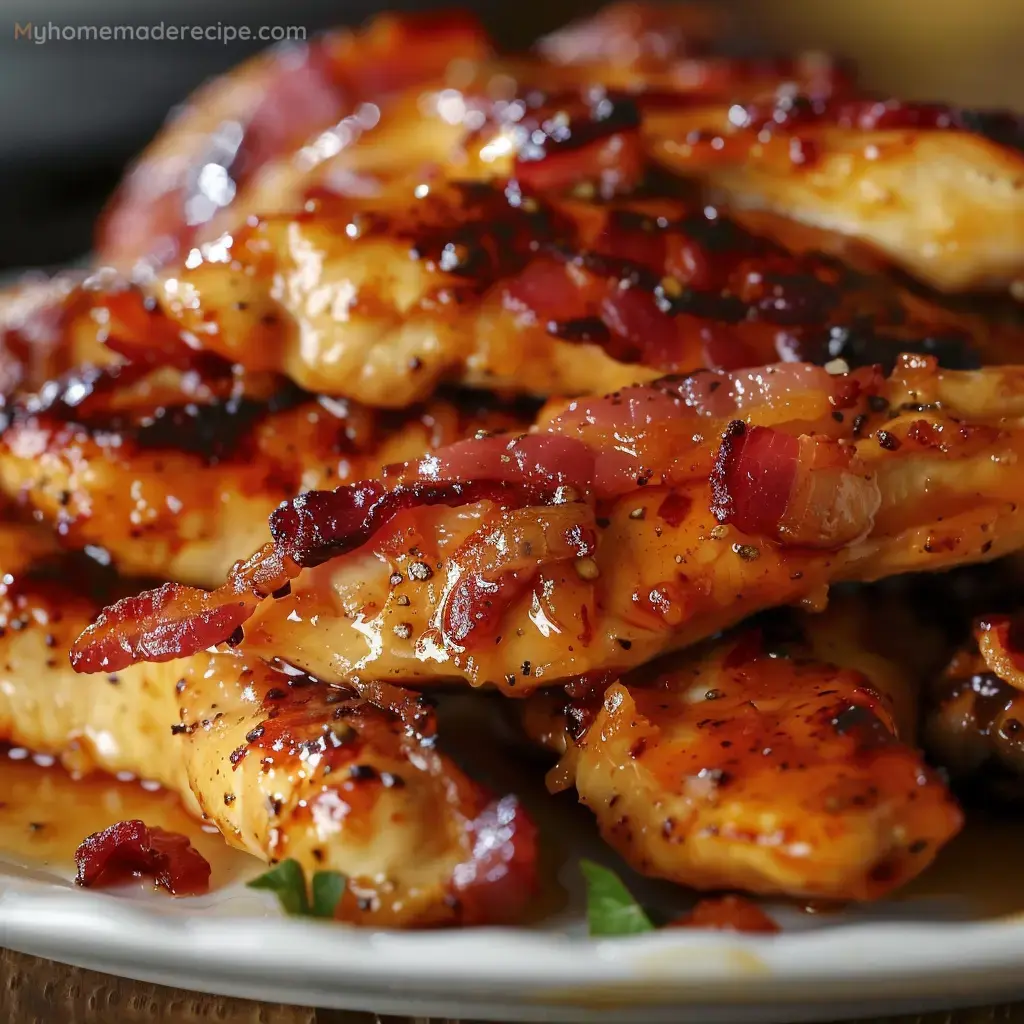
955, 937
229, 945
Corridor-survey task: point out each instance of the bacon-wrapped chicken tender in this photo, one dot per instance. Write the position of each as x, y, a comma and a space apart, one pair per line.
617, 529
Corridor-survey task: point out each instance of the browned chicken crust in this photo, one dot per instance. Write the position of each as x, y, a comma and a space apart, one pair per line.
168, 462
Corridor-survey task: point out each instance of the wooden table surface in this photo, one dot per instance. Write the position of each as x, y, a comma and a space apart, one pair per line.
35, 991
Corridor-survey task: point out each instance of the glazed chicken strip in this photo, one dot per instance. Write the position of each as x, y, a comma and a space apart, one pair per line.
563, 297
173, 468
283, 765
332, 117
756, 764
619, 528
464, 231
379, 302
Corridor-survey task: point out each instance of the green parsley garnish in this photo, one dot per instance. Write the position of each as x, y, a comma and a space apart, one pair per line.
287, 882
611, 909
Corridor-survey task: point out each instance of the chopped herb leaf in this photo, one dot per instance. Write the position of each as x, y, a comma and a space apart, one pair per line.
287, 882
328, 888
611, 909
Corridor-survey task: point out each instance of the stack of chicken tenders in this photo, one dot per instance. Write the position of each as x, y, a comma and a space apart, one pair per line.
612, 377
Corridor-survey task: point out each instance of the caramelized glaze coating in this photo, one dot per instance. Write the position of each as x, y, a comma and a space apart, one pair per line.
282, 764
618, 529
379, 301
751, 764
181, 493
462, 231
332, 117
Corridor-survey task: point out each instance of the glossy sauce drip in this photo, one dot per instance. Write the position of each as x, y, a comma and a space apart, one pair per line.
991, 697
45, 814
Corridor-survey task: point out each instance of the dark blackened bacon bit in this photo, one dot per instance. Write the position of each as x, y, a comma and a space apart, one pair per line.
752, 478
132, 848
477, 236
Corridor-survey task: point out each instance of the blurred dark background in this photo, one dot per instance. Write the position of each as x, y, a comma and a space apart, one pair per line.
73, 113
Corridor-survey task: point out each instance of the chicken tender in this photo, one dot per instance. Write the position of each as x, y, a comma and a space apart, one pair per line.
753, 764
618, 529
282, 764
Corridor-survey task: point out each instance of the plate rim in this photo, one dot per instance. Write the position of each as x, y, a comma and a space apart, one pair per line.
530, 973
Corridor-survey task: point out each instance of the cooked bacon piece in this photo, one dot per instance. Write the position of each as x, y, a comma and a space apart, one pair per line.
755, 764
769, 483
912, 473
203, 478
133, 848
729, 913
753, 477
934, 189
518, 278
231, 128
379, 300
283, 765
